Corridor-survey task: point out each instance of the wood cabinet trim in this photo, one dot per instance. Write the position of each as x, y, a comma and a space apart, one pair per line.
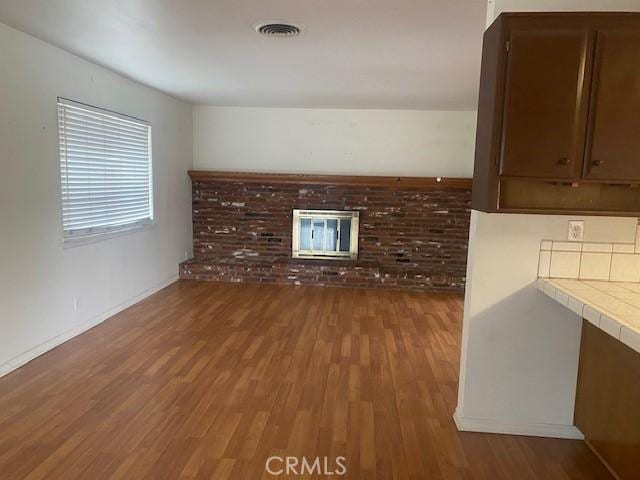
312, 179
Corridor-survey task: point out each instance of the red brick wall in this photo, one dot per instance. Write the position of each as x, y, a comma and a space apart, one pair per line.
410, 238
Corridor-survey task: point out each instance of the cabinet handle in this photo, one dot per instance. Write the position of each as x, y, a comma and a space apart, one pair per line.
564, 161
597, 163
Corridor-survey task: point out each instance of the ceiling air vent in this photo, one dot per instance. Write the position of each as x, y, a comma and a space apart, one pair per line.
278, 29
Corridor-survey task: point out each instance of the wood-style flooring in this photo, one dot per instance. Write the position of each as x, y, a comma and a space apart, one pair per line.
206, 380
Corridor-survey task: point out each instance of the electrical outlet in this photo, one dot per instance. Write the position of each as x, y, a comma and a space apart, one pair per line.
576, 231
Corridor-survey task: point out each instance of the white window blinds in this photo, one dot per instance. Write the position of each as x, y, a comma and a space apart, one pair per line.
105, 170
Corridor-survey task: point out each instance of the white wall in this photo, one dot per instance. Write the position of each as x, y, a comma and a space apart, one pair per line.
519, 349
39, 278
365, 142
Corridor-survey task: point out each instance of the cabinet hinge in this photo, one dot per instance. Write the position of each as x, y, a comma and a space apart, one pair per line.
508, 45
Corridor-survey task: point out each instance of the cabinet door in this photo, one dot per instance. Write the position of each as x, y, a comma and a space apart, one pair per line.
544, 118
613, 141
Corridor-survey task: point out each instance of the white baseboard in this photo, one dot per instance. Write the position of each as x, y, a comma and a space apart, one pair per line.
34, 352
487, 425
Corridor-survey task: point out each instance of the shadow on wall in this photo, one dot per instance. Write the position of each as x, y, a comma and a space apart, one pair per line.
514, 352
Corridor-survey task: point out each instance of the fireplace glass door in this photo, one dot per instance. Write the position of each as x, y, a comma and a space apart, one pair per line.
325, 233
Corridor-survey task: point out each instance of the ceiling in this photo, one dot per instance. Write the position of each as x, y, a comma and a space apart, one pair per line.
397, 54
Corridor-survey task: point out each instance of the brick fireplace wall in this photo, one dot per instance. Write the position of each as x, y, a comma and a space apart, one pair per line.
413, 235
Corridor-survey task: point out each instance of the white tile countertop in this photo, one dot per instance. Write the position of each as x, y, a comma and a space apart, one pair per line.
614, 307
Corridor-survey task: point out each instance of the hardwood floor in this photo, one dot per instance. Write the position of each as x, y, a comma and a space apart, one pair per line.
207, 380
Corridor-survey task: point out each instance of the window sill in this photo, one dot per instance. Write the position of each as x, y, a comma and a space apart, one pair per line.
80, 241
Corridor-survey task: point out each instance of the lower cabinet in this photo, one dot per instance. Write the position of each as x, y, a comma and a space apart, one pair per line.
608, 400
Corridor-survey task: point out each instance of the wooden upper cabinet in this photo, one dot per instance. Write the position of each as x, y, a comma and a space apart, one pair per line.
544, 105
613, 141
558, 127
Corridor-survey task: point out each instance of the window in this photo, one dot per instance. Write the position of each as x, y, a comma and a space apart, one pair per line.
105, 170
325, 233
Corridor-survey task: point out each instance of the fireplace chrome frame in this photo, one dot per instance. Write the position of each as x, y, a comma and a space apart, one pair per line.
352, 254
